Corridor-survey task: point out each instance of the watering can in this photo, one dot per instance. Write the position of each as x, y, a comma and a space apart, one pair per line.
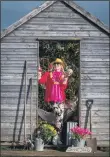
39, 144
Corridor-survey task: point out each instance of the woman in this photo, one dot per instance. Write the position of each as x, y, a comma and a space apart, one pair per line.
55, 82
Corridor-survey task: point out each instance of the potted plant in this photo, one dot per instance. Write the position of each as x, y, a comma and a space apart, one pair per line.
79, 136
47, 132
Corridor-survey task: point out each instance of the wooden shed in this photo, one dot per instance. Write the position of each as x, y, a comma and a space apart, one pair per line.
54, 20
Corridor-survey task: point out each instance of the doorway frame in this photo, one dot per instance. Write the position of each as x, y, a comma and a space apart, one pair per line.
61, 38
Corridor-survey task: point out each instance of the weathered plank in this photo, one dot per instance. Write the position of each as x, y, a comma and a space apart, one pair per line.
12, 100
19, 59
19, 119
94, 58
100, 130
17, 76
94, 77
57, 33
92, 89
15, 94
14, 82
10, 138
95, 82
18, 125
101, 137
58, 4
50, 21
18, 107
98, 102
95, 70
94, 95
103, 52
97, 125
18, 71
14, 88
56, 20
31, 39
18, 45
58, 14
56, 27
96, 40
95, 64
95, 108
96, 113
97, 119
10, 131
18, 50
95, 46
15, 66
58, 8
15, 113
19, 62
18, 55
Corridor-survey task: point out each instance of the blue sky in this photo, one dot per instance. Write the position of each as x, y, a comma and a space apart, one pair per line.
11, 11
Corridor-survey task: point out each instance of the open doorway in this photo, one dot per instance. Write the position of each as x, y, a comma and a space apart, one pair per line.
68, 51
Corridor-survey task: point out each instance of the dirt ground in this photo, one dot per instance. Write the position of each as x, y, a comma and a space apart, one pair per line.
49, 153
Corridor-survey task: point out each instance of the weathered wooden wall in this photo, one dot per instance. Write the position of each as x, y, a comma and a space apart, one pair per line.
13, 56
57, 22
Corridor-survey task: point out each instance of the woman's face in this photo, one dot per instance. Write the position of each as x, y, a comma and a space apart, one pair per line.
57, 66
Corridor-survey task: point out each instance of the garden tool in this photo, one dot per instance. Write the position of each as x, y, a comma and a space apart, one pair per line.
25, 103
91, 142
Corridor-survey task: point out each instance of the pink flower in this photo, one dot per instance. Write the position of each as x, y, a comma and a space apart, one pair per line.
80, 131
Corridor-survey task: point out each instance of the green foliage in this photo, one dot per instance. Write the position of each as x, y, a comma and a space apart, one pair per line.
68, 51
47, 131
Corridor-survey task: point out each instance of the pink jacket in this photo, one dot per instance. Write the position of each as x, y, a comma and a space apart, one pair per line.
55, 89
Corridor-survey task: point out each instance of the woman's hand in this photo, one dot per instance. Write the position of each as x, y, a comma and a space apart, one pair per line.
39, 75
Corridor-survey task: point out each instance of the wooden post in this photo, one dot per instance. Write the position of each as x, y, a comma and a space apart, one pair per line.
91, 122
25, 101
37, 83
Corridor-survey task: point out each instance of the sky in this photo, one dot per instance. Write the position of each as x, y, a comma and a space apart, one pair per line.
12, 11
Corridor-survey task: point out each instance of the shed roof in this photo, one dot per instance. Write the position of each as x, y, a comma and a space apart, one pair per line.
45, 5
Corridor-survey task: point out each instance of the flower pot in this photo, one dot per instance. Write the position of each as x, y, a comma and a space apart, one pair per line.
39, 144
81, 143
75, 142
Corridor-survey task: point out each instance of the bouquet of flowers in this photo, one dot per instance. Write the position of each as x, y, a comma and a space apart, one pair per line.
47, 132
80, 133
